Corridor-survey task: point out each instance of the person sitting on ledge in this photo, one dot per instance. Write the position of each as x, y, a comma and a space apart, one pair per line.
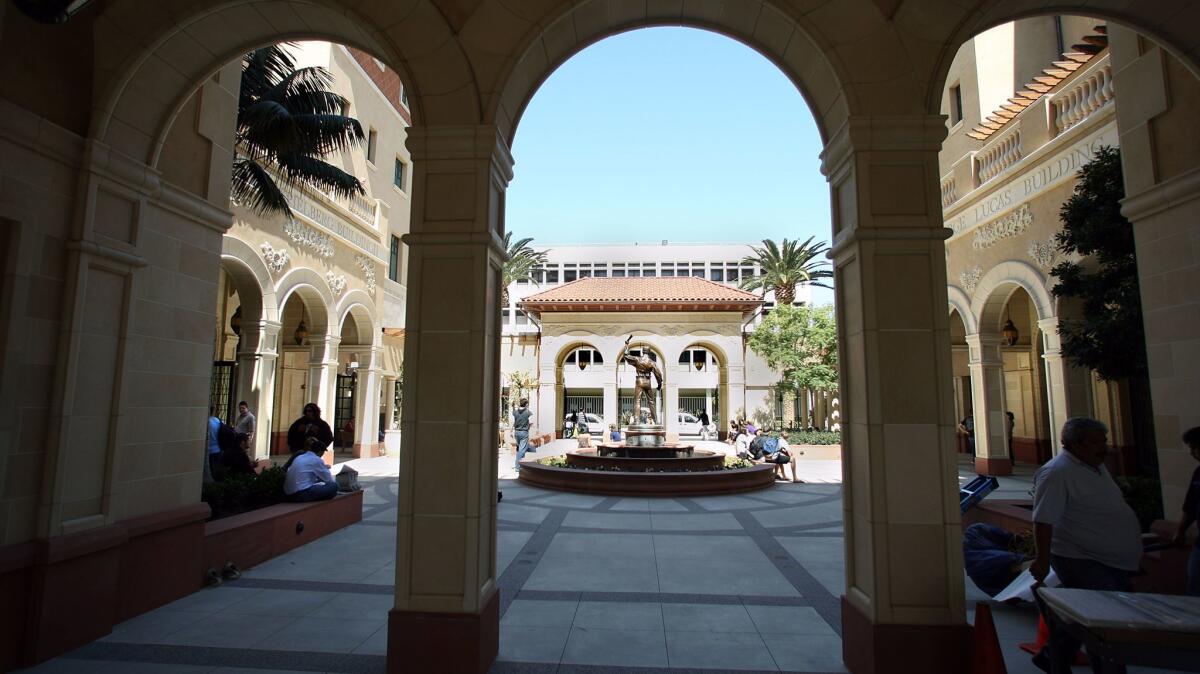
614, 433
308, 478
236, 460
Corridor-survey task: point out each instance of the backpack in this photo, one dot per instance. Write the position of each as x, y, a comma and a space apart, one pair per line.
770, 445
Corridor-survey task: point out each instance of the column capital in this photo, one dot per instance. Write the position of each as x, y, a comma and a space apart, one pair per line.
891, 133
463, 142
984, 349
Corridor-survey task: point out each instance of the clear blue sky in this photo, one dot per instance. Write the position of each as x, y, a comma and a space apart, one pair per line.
668, 133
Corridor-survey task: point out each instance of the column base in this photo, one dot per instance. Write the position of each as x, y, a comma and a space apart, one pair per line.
444, 642
869, 648
993, 466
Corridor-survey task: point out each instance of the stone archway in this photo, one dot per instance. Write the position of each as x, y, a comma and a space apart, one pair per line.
719, 415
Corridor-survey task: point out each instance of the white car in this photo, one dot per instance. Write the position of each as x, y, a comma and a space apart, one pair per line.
593, 422
688, 424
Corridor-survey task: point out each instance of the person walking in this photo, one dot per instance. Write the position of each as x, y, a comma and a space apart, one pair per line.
309, 425
521, 417
704, 421
1083, 528
1191, 513
245, 422
1010, 422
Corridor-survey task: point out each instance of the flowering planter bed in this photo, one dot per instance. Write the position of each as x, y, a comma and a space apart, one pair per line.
254, 537
622, 483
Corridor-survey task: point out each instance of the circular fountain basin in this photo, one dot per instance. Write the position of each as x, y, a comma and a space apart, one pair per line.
672, 471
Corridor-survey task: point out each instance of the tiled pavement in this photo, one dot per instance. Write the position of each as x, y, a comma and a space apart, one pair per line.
588, 584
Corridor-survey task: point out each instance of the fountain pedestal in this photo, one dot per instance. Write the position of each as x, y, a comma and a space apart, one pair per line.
645, 435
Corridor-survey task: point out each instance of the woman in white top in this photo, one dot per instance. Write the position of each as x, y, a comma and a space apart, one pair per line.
308, 478
741, 446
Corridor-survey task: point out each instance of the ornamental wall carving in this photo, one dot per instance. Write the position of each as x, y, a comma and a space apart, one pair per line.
665, 330
970, 278
1010, 225
1044, 253
276, 258
337, 283
307, 237
368, 266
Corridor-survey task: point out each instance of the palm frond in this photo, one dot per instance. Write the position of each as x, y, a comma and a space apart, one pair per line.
325, 176
254, 187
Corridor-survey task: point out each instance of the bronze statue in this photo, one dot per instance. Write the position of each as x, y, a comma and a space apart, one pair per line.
645, 367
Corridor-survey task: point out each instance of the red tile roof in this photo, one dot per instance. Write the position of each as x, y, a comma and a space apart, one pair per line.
670, 293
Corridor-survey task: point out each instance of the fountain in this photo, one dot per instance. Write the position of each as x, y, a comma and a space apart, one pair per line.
645, 464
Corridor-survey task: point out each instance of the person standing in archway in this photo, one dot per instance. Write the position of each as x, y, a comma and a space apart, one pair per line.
309, 425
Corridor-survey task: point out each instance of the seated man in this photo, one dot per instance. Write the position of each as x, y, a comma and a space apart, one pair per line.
308, 478
236, 460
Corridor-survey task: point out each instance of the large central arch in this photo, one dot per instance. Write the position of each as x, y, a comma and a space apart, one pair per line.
763, 26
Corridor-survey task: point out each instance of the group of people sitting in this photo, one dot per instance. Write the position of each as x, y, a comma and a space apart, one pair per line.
309, 437
759, 446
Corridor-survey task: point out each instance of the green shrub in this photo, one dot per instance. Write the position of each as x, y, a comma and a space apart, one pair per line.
814, 438
240, 493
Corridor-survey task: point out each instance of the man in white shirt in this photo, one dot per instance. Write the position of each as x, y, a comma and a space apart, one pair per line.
1084, 528
245, 422
308, 478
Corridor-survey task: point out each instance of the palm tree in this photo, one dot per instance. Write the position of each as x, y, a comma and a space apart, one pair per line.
783, 267
287, 120
519, 266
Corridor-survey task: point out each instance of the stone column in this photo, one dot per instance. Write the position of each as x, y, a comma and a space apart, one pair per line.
1068, 389
612, 401
736, 393
446, 616
669, 411
389, 402
322, 379
366, 401
1162, 199
257, 355
987, 405
904, 600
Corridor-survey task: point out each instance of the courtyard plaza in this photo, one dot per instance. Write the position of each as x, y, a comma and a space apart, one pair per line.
588, 584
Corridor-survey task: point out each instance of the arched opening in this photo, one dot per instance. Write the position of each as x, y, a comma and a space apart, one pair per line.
703, 387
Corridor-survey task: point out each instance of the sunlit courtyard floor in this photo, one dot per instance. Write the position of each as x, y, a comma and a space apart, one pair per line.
588, 584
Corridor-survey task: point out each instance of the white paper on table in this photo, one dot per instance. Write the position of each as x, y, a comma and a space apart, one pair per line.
1022, 587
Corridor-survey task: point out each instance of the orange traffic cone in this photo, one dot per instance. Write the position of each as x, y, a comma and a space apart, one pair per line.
1043, 635
986, 657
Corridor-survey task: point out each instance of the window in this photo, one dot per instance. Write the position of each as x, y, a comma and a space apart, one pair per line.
668, 269
394, 260
956, 105
506, 317
600, 272
372, 141
717, 275
570, 275
584, 356
697, 359
552, 275
648, 269
398, 177
403, 95
698, 271
522, 318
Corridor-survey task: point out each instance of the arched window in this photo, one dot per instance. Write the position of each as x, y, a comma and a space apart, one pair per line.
584, 356
637, 351
698, 359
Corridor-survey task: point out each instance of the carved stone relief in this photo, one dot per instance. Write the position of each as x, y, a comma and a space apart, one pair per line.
970, 278
305, 236
276, 258
337, 283
368, 266
1010, 225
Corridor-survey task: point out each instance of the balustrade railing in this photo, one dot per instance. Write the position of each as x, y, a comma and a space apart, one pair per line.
949, 193
998, 155
1087, 94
